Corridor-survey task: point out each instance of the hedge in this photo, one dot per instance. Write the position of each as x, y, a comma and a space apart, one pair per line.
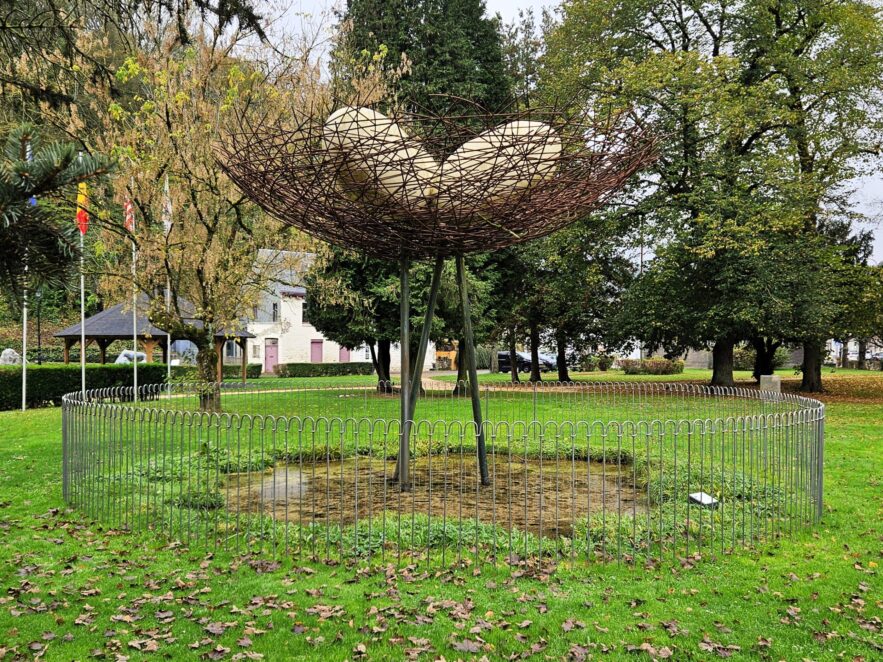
229, 372
654, 366
47, 383
323, 369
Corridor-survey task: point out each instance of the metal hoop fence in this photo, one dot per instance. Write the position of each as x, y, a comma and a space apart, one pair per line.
636, 472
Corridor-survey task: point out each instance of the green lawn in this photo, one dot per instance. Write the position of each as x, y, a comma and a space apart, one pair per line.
72, 589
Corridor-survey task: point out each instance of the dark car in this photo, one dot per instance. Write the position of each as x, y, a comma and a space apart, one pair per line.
546, 363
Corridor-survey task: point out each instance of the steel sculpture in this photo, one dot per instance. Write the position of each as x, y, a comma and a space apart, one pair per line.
420, 186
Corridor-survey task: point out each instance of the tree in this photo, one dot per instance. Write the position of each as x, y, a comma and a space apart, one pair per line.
209, 255
449, 49
453, 49
51, 52
37, 183
724, 188
826, 61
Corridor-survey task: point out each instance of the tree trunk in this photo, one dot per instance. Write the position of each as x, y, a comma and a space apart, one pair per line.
513, 357
535, 375
561, 342
207, 366
460, 386
765, 356
722, 362
383, 360
812, 366
862, 353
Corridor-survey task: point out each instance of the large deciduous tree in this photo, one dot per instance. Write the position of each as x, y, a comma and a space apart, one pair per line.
763, 110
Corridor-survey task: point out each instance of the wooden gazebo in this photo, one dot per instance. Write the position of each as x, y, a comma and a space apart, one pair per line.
115, 323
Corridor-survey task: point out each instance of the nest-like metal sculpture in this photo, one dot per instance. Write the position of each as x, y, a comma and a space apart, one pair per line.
424, 185
420, 186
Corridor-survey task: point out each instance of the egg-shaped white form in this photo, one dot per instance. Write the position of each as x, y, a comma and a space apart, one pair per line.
498, 164
378, 158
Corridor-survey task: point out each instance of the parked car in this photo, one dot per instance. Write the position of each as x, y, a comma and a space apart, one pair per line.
547, 363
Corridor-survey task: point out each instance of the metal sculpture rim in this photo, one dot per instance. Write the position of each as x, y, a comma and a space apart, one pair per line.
292, 170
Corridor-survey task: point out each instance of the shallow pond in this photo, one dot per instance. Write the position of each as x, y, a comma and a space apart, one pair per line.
541, 496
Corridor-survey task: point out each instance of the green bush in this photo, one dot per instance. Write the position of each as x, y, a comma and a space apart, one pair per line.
49, 382
654, 366
229, 372
605, 361
323, 369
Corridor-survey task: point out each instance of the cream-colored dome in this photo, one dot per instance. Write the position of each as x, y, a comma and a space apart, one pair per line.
498, 164
372, 147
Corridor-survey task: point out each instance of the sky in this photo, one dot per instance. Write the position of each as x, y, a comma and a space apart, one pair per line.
868, 197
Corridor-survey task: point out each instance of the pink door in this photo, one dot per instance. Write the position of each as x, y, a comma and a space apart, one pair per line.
271, 354
315, 351
344, 356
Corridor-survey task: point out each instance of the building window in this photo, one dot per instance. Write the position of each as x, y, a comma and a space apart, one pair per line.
255, 351
230, 347
367, 353
275, 312
303, 312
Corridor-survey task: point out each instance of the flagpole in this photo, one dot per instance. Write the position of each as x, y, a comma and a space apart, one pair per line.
82, 225
129, 223
167, 228
29, 156
24, 340
82, 319
168, 338
134, 325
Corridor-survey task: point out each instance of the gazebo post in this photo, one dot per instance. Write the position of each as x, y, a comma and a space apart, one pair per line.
243, 343
67, 350
472, 370
102, 349
403, 465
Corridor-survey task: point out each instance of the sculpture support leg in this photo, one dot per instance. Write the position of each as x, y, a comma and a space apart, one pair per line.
403, 467
469, 351
424, 335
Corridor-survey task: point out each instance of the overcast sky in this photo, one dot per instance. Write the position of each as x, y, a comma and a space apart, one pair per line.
869, 194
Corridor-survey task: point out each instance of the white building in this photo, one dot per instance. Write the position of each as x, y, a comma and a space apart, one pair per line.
283, 334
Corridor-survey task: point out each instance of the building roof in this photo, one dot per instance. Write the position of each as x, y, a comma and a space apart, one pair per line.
115, 323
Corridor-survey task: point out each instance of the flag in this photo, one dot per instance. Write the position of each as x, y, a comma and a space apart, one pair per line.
167, 208
82, 203
130, 215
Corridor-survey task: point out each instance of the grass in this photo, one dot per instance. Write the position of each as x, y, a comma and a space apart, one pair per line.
72, 589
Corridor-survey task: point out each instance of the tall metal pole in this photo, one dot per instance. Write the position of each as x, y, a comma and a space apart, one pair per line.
424, 335
82, 319
24, 340
168, 337
471, 369
403, 469
134, 326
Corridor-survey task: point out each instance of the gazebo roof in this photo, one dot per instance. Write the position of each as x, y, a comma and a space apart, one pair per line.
115, 323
